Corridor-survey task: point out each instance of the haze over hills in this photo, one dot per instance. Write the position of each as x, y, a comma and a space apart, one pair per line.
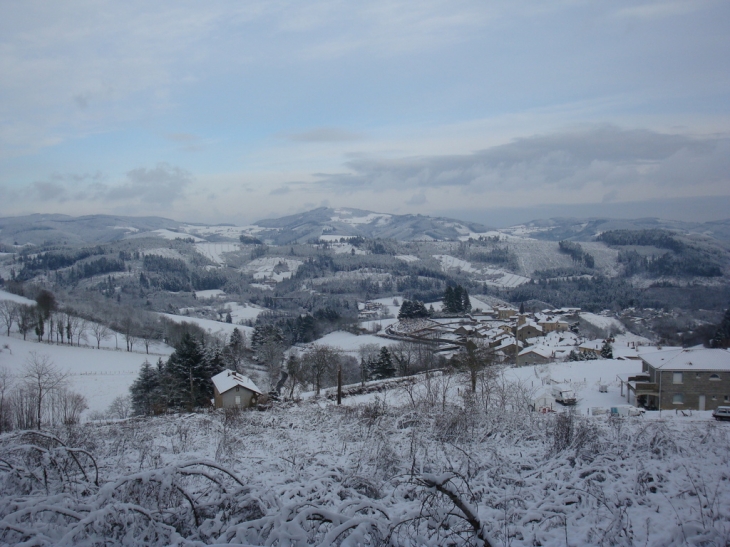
39, 229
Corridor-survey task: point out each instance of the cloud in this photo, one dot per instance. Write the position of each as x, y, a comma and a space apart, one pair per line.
418, 199
159, 186
50, 191
282, 190
570, 160
324, 134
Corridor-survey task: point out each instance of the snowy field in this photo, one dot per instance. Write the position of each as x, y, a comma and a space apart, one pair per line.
169, 234
4, 295
99, 375
351, 343
215, 328
491, 276
215, 251
273, 268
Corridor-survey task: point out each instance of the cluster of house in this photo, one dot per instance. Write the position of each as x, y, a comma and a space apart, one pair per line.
525, 338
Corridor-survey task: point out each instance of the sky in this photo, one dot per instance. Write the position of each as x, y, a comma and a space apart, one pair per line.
484, 110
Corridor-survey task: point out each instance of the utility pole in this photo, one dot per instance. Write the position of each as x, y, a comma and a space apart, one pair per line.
339, 384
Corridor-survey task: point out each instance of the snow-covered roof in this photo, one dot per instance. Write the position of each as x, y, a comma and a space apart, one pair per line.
542, 351
530, 323
229, 379
689, 359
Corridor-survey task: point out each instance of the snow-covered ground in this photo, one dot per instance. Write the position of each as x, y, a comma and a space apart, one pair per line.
422, 464
407, 258
243, 312
491, 276
215, 251
99, 375
169, 234
4, 295
215, 328
209, 294
350, 343
273, 268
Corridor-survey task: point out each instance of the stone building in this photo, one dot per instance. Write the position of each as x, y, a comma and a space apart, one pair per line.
683, 379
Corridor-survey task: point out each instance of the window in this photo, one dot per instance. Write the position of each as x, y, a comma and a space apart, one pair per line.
677, 378
727, 398
678, 398
715, 377
714, 397
238, 400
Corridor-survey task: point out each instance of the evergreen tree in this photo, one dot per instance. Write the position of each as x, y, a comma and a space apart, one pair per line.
456, 300
383, 367
264, 334
449, 300
191, 369
522, 308
146, 399
465, 302
607, 350
721, 339
412, 310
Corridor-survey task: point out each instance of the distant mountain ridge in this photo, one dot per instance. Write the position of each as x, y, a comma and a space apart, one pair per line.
356, 222
56, 229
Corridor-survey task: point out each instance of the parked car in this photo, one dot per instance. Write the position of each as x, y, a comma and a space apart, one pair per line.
564, 396
721, 413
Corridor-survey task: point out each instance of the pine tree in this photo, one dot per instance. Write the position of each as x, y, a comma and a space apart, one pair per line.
190, 371
721, 339
607, 350
145, 391
465, 302
383, 367
449, 300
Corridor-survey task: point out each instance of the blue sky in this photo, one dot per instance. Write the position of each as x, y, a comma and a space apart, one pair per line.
235, 111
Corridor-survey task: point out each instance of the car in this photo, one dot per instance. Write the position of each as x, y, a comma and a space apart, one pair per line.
721, 413
564, 396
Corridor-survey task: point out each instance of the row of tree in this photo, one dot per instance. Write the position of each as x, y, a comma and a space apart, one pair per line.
456, 300
38, 396
576, 252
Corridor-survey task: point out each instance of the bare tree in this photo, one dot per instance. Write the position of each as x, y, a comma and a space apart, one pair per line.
150, 332
405, 354
477, 356
82, 327
26, 319
6, 382
73, 324
8, 314
129, 330
120, 408
41, 377
271, 354
69, 405
100, 332
320, 363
